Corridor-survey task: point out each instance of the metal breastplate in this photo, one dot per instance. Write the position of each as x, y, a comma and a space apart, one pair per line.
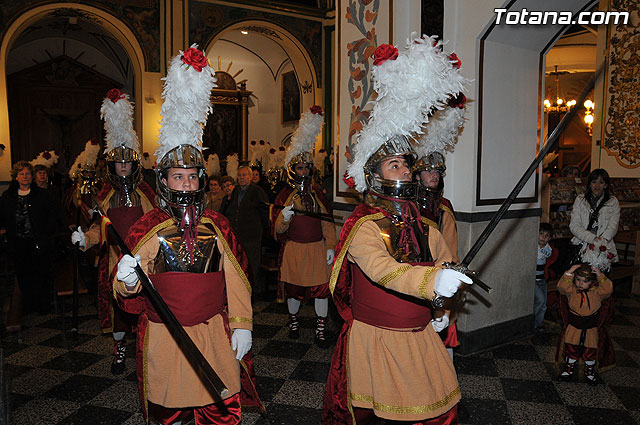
305, 201
391, 231
173, 255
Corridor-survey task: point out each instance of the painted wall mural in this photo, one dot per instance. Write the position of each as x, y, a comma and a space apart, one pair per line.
141, 16
206, 20
621, 131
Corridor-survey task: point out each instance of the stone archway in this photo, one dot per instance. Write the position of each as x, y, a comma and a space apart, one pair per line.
108, 22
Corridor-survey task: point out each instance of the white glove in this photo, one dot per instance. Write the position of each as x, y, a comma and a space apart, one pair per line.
127, 270
287, 213
241, 340
78, 237
448, 281
331, 254
440, 323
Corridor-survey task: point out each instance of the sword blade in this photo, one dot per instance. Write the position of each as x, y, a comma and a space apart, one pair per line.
551, 141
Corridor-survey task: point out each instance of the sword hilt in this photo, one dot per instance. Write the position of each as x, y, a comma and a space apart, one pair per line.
439, 301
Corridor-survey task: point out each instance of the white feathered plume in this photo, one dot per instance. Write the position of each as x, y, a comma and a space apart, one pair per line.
213, 165
186, 94
318, 160
304, 138
441, 133
232, 165
420, 80
87, 158
46, 158
117, 113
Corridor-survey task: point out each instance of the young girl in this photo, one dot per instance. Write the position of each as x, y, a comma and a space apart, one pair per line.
585, 288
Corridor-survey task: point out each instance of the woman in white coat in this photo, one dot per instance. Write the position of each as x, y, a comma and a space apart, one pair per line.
594, 222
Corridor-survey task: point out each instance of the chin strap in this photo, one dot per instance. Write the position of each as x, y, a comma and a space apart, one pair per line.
189, 228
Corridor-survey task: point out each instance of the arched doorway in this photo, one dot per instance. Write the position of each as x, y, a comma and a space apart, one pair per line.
274, 65
69, 42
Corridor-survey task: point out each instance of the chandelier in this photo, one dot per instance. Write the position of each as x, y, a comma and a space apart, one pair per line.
560, 105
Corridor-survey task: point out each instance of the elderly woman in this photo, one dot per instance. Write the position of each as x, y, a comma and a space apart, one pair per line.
27, 219
594, 222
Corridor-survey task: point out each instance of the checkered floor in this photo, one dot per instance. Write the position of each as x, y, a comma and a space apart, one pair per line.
60, 377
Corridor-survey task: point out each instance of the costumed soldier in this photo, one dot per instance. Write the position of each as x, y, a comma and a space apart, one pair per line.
85, 187
125, 198
440, 134
308, 243
389, 361
196, 264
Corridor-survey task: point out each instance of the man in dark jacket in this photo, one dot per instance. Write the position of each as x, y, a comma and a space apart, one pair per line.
247, 212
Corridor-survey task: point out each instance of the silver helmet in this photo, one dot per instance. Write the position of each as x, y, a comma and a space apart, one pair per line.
397, 146
302, 183
433, 161
175, 202
127, 184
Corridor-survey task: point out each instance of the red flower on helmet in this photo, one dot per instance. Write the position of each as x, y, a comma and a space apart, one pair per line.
115, 95
46, 155
610, 256
592, 246
457, 101
321, 151
262, 142
195, 58
383, 53
316, 109
348, 180
253, 143
145, 155
281, 148
603, 248
457, 63
272, 151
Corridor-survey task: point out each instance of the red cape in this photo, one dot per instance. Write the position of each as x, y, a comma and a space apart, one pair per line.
336, 408
283, 199
146, 228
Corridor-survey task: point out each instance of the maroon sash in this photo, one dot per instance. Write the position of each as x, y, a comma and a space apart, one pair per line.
377, 306
123, 218
305, 229
193, 298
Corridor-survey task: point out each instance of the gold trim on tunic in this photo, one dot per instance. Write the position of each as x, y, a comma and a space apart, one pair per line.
422, 289
406, 409
431, 223
337, 265
236, 319
386, 279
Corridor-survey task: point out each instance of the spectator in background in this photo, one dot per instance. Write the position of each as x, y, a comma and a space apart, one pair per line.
215, 195
547, 255
570, 171
594, 223
29, 220
247, 212
228, 184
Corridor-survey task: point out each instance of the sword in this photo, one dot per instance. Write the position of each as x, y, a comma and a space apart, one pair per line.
438, 301
199, 363
321, 216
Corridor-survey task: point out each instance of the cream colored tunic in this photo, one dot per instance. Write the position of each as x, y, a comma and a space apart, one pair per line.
170, 380
305, 264
596, 295
401, 375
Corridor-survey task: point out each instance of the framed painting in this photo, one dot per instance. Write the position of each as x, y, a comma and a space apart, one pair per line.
290, 98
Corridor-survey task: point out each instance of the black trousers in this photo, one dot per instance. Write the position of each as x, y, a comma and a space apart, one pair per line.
33, 271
